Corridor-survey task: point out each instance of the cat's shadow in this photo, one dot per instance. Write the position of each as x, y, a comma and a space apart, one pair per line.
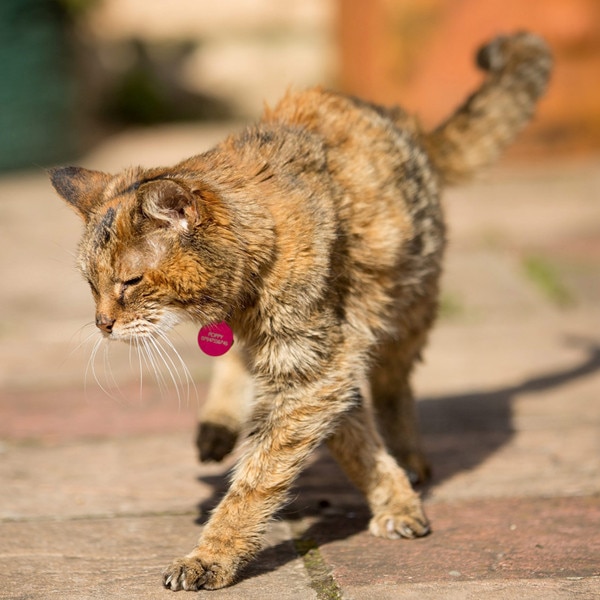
460, 432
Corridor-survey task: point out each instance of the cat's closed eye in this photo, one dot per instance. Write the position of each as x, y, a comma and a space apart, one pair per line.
133, 281
125, 285
94, 289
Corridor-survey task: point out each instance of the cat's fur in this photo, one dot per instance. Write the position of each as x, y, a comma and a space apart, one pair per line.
318, 236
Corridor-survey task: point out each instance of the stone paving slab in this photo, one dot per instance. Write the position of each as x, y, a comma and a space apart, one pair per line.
110, 477
480, 540
128, 506
76, 413
97, 559
529, 589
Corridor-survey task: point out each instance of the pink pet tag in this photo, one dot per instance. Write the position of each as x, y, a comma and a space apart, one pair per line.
215, 339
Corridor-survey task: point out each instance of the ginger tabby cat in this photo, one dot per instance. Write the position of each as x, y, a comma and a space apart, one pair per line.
317, 235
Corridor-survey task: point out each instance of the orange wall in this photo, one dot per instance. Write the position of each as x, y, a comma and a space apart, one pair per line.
419, 53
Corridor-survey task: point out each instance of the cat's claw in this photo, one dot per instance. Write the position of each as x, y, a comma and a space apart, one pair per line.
395, 527
175, 578
192, 573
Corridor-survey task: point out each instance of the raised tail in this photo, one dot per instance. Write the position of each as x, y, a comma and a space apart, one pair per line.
518, 68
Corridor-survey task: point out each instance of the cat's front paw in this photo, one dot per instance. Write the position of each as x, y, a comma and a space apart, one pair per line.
404, 522
193, 573
215, 441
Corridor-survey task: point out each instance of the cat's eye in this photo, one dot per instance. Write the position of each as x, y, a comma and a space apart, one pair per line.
133, 281
94, 289
126, 285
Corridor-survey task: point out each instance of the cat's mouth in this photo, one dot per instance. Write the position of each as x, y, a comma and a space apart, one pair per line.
150, 350
139, 328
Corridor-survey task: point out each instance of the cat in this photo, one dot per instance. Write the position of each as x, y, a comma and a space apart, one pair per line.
317, 235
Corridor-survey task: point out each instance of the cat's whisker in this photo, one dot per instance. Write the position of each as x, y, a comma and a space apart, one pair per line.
189, 380
180, 368
92, 360
159, 361
106, 366
84, 341
143, 358
90, 364
173, 369
170, 366
81, 344
111, 385
130, 354
114, 383
92, 367
140, 366
152, 365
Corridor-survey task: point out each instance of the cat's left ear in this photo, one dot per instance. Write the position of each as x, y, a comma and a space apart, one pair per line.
169, 203
80, 187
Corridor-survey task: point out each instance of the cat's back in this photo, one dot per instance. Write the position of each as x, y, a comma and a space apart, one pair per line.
386, 193
389, 190
373, 152
339, 119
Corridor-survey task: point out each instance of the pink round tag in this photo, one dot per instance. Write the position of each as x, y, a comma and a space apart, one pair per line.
215, 339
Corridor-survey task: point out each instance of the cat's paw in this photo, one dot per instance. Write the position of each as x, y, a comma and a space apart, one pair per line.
405, 522
193, 573
215, 441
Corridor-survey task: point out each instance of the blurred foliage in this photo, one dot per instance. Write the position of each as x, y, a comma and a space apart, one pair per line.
547, 279
450, 307
37, 96
138, 98
151, 90
75, 8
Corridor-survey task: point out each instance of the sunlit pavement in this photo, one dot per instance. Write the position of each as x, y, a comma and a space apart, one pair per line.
100, 486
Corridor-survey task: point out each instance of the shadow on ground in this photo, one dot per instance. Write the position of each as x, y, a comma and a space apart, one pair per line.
472, 426
461, 431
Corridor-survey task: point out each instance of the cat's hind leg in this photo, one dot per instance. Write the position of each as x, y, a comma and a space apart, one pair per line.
394, 404
359, 449
226, 409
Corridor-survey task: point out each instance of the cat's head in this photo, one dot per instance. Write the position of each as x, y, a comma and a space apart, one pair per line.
155, 250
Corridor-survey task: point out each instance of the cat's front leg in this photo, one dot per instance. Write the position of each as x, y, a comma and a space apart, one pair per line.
286, 429
227, 407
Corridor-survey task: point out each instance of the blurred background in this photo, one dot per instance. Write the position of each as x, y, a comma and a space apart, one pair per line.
110, 83
75, 71
508, 390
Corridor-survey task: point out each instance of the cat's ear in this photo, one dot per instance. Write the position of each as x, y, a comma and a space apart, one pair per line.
80, 187
169, 203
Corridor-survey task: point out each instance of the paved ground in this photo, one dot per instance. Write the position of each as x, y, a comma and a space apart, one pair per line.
99, 490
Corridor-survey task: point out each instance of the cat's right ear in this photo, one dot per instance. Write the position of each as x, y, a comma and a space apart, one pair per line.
80, 187
169, 204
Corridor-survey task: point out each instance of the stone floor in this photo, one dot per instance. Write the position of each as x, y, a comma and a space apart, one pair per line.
100, 487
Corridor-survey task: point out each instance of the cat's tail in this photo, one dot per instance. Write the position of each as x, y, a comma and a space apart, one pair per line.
518, 68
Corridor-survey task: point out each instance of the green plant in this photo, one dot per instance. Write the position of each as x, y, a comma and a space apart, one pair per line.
545, 276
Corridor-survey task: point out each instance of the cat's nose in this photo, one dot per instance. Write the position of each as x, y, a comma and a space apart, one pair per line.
104, 323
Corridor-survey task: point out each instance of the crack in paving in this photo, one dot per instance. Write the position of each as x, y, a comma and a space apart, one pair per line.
321, 579
97, 516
